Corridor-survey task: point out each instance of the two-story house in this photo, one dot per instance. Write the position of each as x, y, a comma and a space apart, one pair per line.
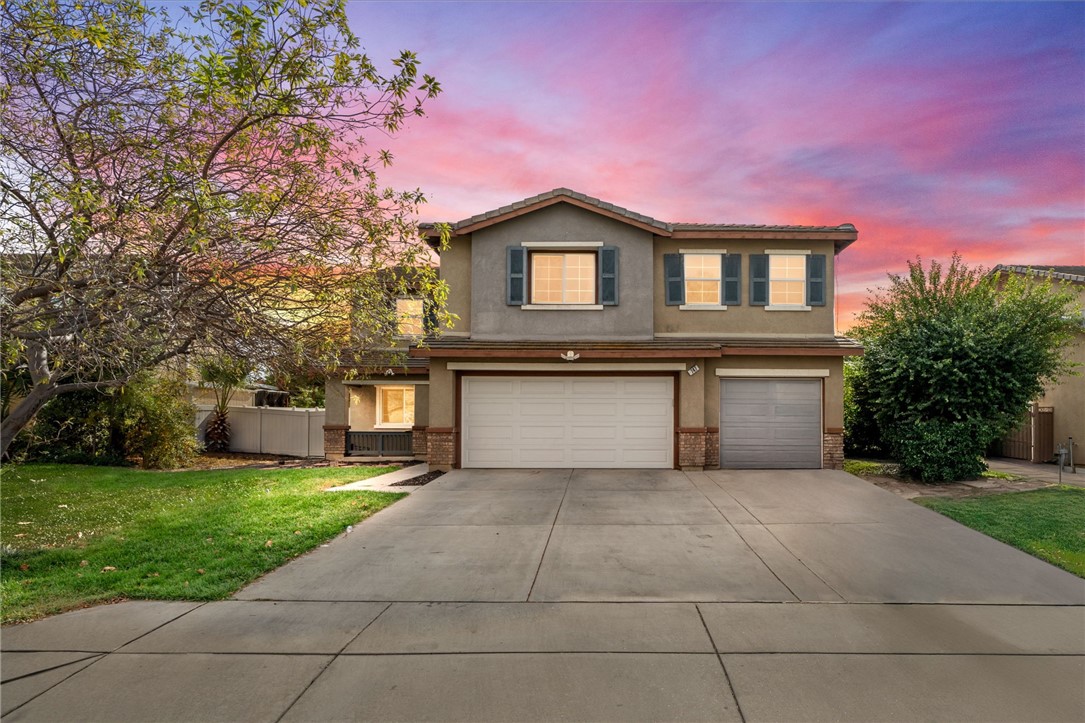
593, 336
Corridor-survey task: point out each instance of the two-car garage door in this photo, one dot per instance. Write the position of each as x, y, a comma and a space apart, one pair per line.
571, 421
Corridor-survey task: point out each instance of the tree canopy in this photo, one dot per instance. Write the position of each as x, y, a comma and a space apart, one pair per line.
953, 357
176, 182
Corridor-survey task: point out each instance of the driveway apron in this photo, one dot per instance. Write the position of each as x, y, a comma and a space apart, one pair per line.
594, 595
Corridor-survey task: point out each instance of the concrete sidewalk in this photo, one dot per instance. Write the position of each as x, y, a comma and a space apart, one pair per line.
594, 595
1042, 472
385, 482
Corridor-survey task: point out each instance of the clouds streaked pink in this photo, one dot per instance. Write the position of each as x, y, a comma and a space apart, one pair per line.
932, 127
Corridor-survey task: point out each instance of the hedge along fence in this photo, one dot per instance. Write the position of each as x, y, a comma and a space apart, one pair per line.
270, 430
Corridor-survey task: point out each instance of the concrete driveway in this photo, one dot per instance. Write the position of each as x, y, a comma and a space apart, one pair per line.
595, 595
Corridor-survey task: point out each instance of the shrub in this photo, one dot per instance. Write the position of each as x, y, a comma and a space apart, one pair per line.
954, 356
936, 450
158, 422
862, 437
149, 418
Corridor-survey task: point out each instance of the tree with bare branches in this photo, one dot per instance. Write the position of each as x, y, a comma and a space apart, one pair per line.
198, 181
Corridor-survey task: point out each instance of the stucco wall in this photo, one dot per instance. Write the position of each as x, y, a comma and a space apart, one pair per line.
335, 402
492, 318
442, 395
362, 407
834, 383
742, 319
456, 272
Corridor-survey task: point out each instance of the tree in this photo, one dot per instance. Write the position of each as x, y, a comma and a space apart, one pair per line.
225, 376
201, 183
954, 356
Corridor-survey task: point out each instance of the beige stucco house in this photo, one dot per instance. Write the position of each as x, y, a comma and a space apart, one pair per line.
589, 335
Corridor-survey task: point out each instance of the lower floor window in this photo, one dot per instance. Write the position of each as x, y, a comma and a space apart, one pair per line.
395, 406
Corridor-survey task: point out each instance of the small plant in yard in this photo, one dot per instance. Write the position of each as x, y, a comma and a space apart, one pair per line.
869, 468
1007, 476
75, 535
224, 375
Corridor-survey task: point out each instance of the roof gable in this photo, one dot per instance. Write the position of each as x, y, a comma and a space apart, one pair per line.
843, 234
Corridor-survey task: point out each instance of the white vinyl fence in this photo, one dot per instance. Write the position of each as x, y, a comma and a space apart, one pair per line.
270, 430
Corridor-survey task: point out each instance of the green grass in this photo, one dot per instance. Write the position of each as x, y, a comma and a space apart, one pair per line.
993, 474
1048, 523
868, 468
166, 535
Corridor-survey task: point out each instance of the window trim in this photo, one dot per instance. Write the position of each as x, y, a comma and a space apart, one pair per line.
687, 306
379, 421
587, 249
787, 307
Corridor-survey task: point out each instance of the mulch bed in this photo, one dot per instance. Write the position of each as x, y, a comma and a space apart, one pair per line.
418, 481
910, 489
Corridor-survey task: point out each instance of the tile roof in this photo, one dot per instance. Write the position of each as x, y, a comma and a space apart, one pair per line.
663, 226
1074, 274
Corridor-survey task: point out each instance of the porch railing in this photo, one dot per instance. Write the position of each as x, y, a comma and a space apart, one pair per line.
379, 444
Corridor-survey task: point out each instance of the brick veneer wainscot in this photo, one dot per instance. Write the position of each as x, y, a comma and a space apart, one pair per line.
335, 441
833, 450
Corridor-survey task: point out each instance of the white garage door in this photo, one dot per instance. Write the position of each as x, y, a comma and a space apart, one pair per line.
770, 423
568, 422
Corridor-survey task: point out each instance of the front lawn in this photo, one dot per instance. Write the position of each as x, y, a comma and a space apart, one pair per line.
1048, 523
75, 535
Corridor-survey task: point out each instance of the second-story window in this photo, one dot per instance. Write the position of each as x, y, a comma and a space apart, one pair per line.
787, 280
703, 278
562, 278
410, 317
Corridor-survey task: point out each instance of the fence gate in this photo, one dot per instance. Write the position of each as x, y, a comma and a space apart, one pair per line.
1034, 440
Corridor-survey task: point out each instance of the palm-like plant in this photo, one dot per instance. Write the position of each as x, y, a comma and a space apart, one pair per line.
224, 375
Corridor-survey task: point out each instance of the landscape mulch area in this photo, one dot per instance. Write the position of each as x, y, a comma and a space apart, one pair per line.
418, 481
911, 489
244, 460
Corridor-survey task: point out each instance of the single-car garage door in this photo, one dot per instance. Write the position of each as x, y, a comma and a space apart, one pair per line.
770, 423
568, 422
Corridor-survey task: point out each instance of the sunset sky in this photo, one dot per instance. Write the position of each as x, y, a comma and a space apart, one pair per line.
932, 127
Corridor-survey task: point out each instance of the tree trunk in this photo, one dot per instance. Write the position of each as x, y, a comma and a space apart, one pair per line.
23, 412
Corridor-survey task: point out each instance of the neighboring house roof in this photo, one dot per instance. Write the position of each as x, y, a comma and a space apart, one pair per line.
844, 234
669, 348
1073, 274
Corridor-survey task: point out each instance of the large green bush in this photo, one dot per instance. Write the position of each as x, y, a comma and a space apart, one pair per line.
149, 419
954, 356
862, 438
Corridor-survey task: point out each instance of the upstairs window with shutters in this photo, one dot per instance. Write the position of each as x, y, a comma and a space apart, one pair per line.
551, 277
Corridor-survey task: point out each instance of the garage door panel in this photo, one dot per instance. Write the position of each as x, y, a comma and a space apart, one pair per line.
657, 410
591, 431
539, 431
601, 409
564, 422
489, 387
644, 434
528, 387
542, 409
772, 424
648, 458
481, 410
485, 432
